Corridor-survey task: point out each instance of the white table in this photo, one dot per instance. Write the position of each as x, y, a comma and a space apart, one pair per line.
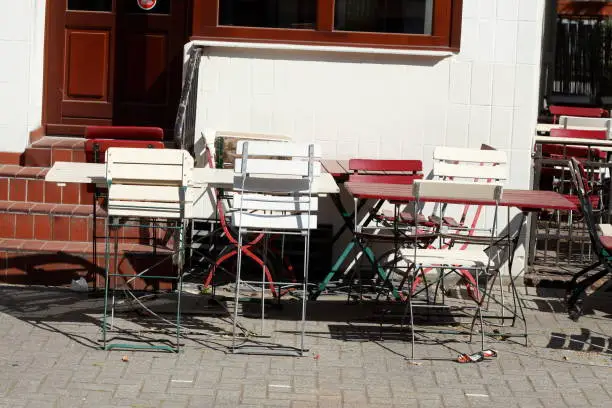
68, 172
204, 180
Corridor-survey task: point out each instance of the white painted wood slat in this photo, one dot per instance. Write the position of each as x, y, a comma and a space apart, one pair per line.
148, 156
275, 203
275, 221
277, 167
453, 190
262, 148
148, 193
472, 171
470, 155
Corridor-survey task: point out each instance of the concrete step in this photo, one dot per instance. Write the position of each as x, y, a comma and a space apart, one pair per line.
43, 262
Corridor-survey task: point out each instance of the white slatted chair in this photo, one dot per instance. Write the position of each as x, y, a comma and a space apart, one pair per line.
577, 122
466, 165
148, 185
272, 194
476, 260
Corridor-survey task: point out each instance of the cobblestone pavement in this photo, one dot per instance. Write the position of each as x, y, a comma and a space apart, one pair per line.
50, 357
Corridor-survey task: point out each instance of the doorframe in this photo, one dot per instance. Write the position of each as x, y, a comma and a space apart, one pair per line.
77, 130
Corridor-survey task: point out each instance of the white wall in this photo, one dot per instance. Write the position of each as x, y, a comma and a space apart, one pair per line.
391, 106
22, 26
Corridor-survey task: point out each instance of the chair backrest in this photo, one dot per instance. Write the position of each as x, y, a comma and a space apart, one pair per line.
578, 178
453, 191
579, 133
149, 182
385, 171
557, 111
569, 122
273, 184
467, 163
95, 149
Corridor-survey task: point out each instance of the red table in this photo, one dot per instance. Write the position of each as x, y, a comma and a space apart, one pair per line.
526, 200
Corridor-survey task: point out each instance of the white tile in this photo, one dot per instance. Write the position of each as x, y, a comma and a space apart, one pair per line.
208, 75
18, 54
486, 8
501, 127
262, 74
486, 40
507, 10
16, 20
328, 148
482, 84
526, 88
367, 150
480, 126
529, 41
524, 122
505, 41
529, 10
460, 80
457, 125
520, 169
503, 84
261, 113
217, 107
18, 142
470, 41
347, 150
470, 8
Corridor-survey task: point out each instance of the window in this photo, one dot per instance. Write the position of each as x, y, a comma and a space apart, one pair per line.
429, 24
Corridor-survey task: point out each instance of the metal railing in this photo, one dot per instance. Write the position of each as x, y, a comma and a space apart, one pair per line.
184, 128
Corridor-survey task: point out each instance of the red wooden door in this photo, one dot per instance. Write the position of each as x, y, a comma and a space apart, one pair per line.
148, 70
111, 62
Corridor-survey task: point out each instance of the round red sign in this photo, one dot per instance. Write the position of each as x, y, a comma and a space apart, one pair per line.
146, 4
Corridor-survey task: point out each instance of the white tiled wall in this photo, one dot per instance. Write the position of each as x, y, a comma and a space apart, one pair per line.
391, 106
22, 27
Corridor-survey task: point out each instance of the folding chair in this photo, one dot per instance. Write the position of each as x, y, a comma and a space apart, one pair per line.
464, 165
98, 139
555, 176
149, 187
380, 224
273, 194
454, 260
601, 244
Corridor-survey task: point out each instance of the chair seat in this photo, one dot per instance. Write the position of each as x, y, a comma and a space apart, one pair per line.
454, 257
605, 229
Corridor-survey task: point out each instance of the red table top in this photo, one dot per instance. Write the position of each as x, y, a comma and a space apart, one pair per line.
523, 199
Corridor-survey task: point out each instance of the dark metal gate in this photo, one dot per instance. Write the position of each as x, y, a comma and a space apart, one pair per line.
583, 58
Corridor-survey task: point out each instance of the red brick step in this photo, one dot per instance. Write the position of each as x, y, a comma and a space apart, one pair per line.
50, 149
19, 183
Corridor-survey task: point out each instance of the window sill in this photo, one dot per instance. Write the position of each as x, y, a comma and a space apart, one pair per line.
320, 48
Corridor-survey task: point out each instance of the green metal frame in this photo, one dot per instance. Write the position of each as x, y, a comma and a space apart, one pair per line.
109, 226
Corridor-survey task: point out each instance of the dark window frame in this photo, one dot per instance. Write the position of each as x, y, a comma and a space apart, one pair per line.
446, 30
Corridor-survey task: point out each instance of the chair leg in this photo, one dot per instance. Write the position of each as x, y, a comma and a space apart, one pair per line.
237, 292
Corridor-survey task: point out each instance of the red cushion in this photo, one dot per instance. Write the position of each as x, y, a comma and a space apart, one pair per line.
124, 132
102, 146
